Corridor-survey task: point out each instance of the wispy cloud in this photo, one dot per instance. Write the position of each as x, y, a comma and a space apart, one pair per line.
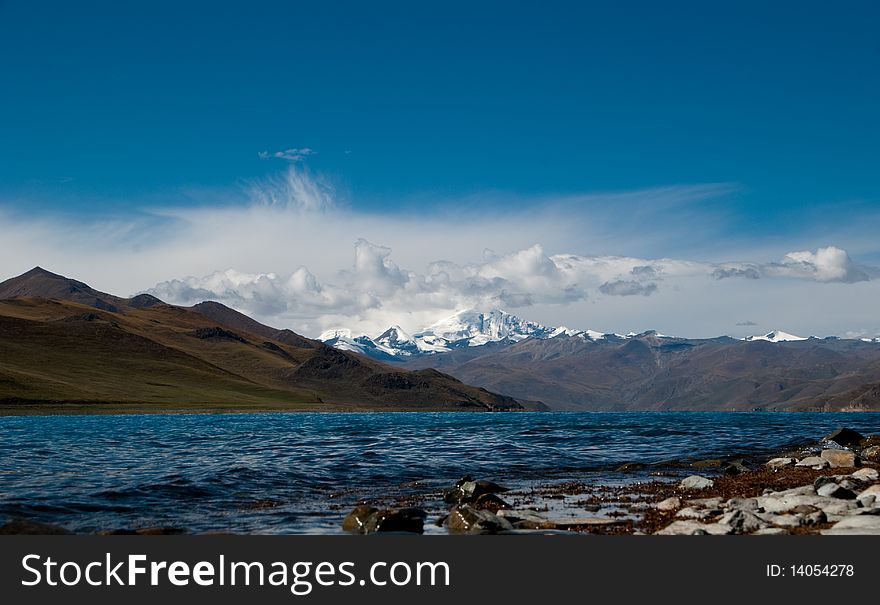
294, 154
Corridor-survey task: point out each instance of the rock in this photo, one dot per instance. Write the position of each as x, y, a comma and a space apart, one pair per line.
694, 528
871, 453
704, 502
785, 520
780, 462
490, 502
695, 482
695, 513
832, 490
867, 500
810, 515
845, 437
839, 458
356, 520
468, 490
742, 522
866, 474
404, 520
467, 520
870, 440
526, 519
833, 507
853, 485
771, 531
735, 467
874, 489
25, 527
368, 520
750, 504
672, 503
821, 481
814, 462
855, 525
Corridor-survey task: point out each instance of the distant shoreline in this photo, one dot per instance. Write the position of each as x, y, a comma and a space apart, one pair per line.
54, 408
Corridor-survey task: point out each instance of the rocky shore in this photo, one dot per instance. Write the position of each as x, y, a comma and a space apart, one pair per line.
830, 488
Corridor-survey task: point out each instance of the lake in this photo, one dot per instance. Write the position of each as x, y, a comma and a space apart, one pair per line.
300, 473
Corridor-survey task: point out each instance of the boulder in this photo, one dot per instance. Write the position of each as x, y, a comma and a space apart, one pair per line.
356, 520
780, 462
839, 458
672, 503
696, 482
490, 502
845, 437
404, 520
465, 519
814, 462
690, 512
369, 520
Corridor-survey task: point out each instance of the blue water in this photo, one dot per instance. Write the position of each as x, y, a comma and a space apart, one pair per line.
295, 473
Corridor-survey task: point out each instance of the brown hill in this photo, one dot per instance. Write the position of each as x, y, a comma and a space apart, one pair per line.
66, 346
653, 373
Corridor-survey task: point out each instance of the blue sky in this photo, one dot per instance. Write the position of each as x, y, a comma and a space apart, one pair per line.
111, 110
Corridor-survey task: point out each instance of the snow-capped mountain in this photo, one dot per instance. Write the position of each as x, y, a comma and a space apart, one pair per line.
472, 328
776, 336
466, 328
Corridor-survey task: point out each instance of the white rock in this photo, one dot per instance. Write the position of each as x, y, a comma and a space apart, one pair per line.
874, 489
669, 504
780, 462
839, 458
771, 531
856, 525
695, 482
694, 528
866, 474
694, 513
814, 462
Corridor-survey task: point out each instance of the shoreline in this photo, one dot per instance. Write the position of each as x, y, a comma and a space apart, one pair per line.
53, 408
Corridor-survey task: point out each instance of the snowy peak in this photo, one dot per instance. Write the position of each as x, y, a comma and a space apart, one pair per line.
776, 336
466, 328
473, 328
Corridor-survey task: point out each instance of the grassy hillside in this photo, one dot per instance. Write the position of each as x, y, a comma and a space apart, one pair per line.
65, 356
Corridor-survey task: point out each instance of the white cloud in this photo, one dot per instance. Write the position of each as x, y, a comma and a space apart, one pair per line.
293, 154
297, 256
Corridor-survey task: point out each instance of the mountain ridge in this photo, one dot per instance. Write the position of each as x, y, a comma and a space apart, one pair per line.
63, 344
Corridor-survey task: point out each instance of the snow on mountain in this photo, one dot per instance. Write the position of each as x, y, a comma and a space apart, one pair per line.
466, 328
776, 336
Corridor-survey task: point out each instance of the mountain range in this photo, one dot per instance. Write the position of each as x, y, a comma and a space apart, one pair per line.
587, 370
65, 346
